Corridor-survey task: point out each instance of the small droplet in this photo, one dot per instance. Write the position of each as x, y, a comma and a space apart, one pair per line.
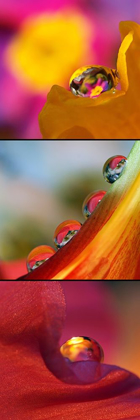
82, 348
91, 81
113, 168
65, 232
38, 256
91, 201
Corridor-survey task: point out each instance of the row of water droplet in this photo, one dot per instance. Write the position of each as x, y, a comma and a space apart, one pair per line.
112, 170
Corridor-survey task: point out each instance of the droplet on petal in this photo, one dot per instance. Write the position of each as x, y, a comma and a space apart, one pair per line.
91, 81
65, 232
38, 256
82, 348
113, 168
91, 201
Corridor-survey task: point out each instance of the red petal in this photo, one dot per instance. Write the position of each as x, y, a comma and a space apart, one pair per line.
32, 313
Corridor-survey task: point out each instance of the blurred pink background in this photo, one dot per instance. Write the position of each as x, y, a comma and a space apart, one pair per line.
36, 55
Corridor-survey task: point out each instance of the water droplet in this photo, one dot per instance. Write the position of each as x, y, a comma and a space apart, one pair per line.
82, 348
91, 201
65, 232
38, 256
113, 168
91, 81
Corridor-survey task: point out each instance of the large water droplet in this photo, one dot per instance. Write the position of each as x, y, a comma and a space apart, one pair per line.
91, 201
82, 348
65, 232
91, 81
38, 256
113, 168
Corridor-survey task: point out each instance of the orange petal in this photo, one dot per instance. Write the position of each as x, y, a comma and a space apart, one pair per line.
108, 244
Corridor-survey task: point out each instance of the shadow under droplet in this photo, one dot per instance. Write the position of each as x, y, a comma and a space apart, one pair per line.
75, 133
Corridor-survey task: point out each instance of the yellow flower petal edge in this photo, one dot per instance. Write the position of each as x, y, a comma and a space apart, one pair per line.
108, 244
121, 61
112, 115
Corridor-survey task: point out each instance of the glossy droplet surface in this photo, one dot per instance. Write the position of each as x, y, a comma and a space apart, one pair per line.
91, 81
82, 348
65, 232
38, 256
91, 201
113, 168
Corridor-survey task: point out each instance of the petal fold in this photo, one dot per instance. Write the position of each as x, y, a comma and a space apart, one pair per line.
31, 320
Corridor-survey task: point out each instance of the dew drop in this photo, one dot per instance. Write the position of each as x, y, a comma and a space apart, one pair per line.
38, 256
113, 168
91, 201
91, 81
65, 232
82, 348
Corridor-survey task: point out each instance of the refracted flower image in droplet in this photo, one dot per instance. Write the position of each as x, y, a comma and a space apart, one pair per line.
113, 168
91, 202
65, 232
91, 81
38, 256
82, 348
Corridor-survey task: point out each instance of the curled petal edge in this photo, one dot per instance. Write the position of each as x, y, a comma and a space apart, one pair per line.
121, 61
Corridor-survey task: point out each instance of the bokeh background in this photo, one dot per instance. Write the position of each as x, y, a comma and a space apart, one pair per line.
43, 183
43, 42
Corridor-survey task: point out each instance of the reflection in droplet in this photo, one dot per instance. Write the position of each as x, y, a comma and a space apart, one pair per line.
38, 256
65, 232
82, 348
113, 168
91, 201
91, 81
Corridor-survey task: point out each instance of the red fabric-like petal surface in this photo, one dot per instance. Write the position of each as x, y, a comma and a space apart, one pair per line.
31, 318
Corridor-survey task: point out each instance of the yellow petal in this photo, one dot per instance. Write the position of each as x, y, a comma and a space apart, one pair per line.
121, 61
109, 116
